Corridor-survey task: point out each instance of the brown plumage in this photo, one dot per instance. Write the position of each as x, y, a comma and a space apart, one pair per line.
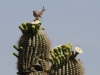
37, 14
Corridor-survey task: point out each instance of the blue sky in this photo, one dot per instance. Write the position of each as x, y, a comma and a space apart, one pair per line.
76, 21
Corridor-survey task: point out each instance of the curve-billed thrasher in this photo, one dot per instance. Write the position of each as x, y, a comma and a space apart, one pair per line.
37, 14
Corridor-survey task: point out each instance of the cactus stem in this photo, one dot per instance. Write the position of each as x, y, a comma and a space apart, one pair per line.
76, 53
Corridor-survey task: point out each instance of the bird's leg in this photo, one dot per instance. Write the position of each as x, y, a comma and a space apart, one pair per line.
40, 16
37, 19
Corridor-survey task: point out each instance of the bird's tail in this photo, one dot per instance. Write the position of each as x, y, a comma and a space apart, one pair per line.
43, 10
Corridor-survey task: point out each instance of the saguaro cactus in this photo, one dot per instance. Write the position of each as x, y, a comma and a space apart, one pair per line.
33, 49
64, 61
33, 54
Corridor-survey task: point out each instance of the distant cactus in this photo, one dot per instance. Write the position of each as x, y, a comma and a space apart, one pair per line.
34, 54
64, 62
33, 49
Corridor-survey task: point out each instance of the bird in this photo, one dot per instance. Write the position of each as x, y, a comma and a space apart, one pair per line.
37, 14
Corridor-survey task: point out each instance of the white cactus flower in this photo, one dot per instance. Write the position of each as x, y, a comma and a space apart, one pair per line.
78, 50
35, 22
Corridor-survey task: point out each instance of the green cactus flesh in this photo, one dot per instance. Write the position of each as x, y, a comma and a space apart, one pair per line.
64, 61
33, 54
33, 50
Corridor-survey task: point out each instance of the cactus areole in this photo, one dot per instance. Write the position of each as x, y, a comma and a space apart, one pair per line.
34, 54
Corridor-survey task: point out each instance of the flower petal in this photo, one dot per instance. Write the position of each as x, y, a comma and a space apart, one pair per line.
35, 22
79, 50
